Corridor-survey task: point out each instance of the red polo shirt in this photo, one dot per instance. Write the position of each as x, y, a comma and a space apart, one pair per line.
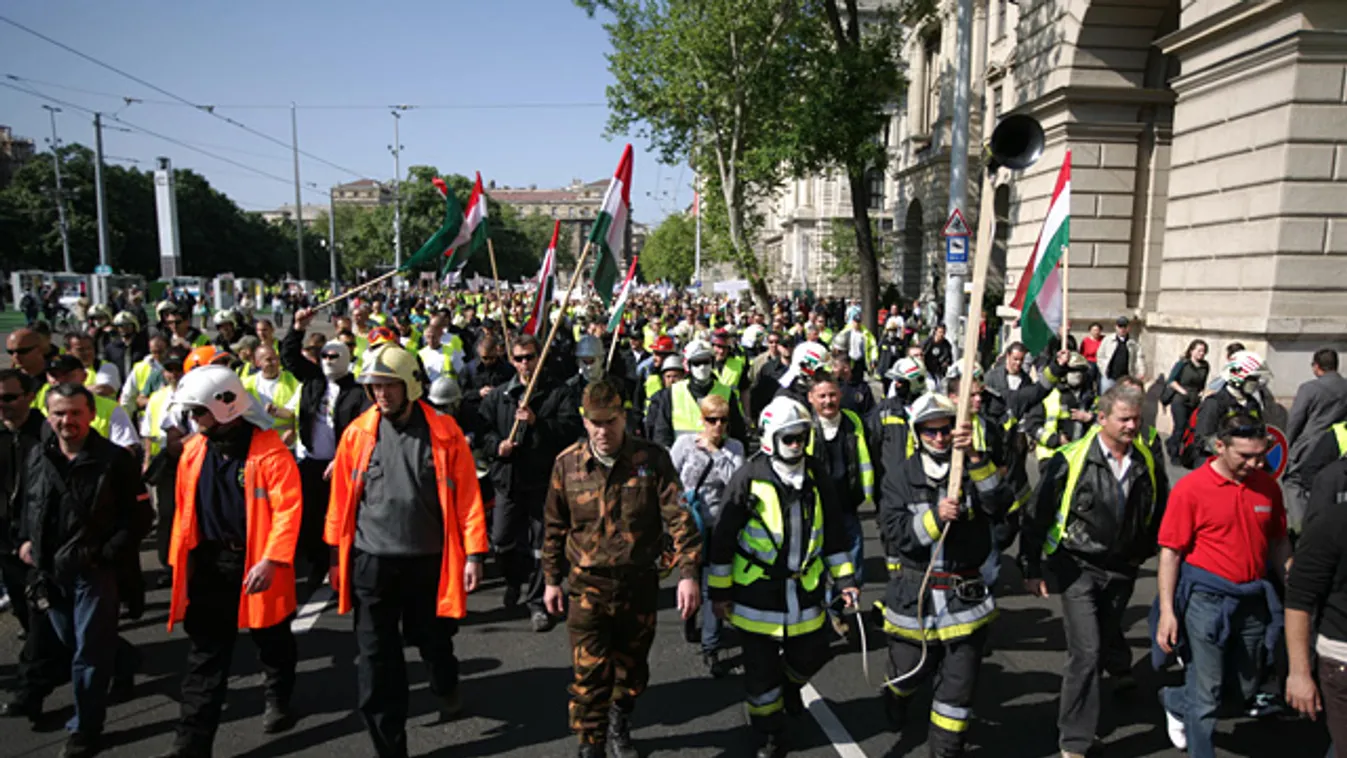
1222, 526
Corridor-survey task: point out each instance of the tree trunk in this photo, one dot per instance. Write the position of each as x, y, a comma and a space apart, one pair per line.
865, 248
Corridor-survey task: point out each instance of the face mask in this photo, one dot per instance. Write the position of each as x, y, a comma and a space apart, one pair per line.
1075, 379
701, 374
591, 372
336, 369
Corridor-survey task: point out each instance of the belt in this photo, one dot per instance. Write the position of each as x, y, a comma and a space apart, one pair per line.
953, 580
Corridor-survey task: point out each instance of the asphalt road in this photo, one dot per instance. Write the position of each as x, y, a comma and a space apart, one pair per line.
514, 688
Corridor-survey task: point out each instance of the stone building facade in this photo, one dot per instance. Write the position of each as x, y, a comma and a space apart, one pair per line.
364, 193
1209, 165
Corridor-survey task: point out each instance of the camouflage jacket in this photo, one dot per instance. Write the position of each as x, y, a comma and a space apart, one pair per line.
601, 518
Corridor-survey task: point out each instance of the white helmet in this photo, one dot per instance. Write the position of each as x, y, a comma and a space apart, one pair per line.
220, 391
696, 350
782, 415
909, 370
1243, 366
807, 358
931, 407
699, 356
445, 393
225, 316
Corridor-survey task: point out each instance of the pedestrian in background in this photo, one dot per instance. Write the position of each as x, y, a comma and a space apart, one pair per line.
1319, 404
1183, 392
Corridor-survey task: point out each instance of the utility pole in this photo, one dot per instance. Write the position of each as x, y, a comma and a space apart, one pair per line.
100, 289
299, 208
697, 211
332, 237
396, 149
60, 194
958, 165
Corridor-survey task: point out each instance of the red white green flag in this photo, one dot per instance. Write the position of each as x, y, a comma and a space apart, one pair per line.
610, 229
430, 252
615, 320
472, 234
547, 276
1040, 296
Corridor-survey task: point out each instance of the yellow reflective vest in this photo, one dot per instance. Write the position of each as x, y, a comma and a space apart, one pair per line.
1076, 453
687, 415
287, 387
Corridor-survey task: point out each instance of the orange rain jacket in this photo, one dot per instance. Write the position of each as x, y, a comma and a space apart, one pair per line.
460, 501
274, 503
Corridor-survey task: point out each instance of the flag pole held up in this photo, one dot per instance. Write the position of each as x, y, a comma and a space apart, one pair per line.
354, 290
505, 313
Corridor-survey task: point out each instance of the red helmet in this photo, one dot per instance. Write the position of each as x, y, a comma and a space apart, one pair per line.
204, 356
380, 335
721, 338
664, 344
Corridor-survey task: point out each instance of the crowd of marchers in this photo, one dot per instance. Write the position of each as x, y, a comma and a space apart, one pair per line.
417, 435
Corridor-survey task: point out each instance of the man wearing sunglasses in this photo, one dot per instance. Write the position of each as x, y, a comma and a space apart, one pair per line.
518, 452
180, 330
26, 354
674, 413
329, 400
780, 528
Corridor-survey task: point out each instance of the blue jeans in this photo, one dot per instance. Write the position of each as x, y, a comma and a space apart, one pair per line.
85, 620
711, 626
851, 523
1205, 677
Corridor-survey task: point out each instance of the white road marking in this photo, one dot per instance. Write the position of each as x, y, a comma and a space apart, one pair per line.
308, 615
829, 723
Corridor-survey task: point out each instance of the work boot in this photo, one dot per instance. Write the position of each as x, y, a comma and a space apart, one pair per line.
714, 666
277, 718
619, 734
773, 746
590, 750
82, 745
542, 622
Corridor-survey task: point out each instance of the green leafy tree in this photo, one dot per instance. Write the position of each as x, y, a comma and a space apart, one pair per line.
669, 251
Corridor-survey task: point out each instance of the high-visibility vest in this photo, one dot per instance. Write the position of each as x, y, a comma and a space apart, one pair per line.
1076, 453
1054, 412
654, 382
1340, 433
145, 371
287, 386
103, 408
154, 415
447, 350
862, 453
687, 415
732, 371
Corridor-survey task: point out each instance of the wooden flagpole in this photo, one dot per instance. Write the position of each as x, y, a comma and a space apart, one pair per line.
354, 290
1066, 295
505, 313
612, 349
542, 357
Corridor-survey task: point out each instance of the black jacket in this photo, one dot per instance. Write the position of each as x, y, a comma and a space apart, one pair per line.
1318, 580
125, 356
526, 471
14, 451
1094, 532
477, 375
92, 511
1213, 411
351, 398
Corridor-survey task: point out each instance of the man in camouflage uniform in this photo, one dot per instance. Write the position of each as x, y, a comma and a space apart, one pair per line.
611, 500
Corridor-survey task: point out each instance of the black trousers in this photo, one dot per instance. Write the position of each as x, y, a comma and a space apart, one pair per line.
1179, 410
517, 532
314, 515
14, 574
396, 597
953, 669
771, 665
165, 501
213, 589
1093, 601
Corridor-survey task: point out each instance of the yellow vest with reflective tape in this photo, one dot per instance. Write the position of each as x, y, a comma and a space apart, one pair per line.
1076, 453
287, 386
732, 371
141, 374
760, 541
892, 420
154, 414
867, 468
1340, 433
687, 415
653, 383
1054, 412
103, 408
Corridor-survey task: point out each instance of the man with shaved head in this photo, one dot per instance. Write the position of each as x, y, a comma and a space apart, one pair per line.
26, 354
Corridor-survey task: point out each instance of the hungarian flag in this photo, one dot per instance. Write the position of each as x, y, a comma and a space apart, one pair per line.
547, 276
1039, 296
471, 235
615, 320
429, 254
610, 229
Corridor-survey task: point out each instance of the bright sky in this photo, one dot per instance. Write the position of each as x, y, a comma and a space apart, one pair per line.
507, 53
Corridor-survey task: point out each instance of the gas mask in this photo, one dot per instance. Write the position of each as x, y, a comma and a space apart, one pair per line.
701, 374
592, 371
788, 453
335, 368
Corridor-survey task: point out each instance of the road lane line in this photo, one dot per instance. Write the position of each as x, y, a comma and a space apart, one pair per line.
828, 721
308, 615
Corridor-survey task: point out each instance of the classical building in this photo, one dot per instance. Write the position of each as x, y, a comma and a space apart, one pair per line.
1209, 166
14, 152
365, 193
286, 214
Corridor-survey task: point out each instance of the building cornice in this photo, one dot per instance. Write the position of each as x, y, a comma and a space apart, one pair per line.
1305, 44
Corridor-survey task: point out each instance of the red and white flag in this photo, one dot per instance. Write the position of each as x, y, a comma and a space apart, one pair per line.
547, 281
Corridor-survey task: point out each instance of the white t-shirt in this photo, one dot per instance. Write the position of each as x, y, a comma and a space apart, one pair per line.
120, 429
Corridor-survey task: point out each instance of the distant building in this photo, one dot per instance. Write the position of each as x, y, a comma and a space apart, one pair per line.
286, 214
575, 206
14, 152
366, 193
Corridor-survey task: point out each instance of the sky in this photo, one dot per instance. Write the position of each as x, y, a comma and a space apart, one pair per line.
512, 55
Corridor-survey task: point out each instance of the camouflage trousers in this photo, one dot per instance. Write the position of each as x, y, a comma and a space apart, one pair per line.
611, 621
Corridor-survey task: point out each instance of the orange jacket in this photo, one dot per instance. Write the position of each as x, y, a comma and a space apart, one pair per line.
274, 503
460, 501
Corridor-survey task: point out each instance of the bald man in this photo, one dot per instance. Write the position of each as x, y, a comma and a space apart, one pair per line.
26, 354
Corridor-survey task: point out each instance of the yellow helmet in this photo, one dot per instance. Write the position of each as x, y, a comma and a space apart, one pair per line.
392, 363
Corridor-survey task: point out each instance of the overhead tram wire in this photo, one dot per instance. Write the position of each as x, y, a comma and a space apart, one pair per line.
143, 130
210, 109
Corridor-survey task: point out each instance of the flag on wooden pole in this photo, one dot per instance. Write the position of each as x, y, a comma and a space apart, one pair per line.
472, 232
547, 276
430, 252
1040, 296
610, 229
615, 320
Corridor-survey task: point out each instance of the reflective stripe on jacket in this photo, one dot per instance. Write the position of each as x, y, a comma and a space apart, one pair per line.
460, 502
274, 505
1075, 454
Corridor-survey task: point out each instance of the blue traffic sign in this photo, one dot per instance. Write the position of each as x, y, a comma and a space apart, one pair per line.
103, 270
956, 249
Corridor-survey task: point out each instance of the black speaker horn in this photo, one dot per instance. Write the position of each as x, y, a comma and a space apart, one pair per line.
1016, 143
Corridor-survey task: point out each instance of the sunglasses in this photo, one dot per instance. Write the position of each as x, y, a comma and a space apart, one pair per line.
700, 362
525, 358
172, 321
793, 439
329, 356
10, 397
23, 350
716, 419
197, 411
937, 431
